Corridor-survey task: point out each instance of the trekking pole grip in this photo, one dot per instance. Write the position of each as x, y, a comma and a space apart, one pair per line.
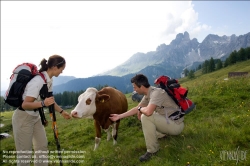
51, 107
50, 94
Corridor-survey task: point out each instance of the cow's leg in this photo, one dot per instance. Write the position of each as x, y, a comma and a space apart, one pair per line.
98, 134
108, 133
115, 131
97, 142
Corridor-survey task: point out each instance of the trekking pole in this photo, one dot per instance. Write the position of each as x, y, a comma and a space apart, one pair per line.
43, 119
54, 127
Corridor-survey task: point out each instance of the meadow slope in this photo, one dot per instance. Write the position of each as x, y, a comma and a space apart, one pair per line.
216, 133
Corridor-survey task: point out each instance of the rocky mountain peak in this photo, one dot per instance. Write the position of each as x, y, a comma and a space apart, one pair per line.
186, 35
181, 39
181, 53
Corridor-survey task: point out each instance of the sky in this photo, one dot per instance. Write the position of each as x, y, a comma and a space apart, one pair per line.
97, 36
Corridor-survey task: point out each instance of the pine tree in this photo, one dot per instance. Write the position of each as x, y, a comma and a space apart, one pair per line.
232, 59
247, 51
211, 66
186, 71
242, 55
191, 74
205, 67
219, 65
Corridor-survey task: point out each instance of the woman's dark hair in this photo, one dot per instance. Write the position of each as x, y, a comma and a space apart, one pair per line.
139, 80
54, 60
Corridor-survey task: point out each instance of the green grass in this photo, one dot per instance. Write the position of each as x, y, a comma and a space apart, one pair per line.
219, 123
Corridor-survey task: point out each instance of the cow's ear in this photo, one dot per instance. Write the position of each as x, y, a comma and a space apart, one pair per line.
103, 98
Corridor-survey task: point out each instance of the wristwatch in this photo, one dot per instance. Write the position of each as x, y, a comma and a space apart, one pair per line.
139, 109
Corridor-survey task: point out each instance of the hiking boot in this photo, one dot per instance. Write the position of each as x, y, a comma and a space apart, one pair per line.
146, 156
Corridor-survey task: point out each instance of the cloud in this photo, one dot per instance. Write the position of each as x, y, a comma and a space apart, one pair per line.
182, 18
93, 36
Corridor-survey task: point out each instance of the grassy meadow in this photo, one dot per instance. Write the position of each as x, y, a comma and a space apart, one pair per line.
216, 133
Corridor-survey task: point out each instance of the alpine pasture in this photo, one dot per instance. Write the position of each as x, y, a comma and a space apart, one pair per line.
216, 133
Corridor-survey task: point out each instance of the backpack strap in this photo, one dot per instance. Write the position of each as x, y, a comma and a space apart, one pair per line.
44, 92
43, 77
170, 92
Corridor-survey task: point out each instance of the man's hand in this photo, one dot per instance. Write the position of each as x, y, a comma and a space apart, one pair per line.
139, 115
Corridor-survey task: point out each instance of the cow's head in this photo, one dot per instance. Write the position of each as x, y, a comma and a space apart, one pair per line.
88, 103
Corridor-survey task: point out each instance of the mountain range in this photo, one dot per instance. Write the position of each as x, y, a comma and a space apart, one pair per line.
170, 60
182, 52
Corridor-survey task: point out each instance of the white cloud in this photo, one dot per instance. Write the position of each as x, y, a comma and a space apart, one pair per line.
181, 18
92, 36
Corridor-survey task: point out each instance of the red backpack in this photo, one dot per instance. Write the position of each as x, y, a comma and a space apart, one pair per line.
22, 74
177, 93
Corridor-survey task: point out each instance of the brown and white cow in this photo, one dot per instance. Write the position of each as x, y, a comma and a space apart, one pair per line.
99, 105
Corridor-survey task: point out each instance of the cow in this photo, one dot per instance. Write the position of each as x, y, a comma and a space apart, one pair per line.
99, 105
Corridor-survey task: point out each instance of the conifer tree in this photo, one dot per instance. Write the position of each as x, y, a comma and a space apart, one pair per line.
211, 66
219, 65
242, 55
